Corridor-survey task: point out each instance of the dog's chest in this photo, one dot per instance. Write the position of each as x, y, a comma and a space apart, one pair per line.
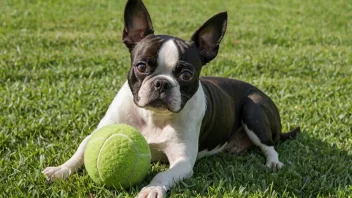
162, 130
158, 138
157, 131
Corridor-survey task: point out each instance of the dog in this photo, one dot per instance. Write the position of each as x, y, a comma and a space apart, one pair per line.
183, 116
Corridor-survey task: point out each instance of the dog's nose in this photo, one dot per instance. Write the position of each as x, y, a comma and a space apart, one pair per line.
161, 85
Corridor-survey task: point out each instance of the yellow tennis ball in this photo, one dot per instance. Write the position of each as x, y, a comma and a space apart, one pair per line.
117, 155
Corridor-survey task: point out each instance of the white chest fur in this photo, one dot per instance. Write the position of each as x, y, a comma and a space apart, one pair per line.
163, 130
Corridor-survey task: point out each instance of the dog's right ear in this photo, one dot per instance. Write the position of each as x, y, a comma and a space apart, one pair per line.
137, 23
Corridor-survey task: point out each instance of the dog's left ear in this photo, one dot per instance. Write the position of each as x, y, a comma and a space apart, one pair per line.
137, 23
207, 38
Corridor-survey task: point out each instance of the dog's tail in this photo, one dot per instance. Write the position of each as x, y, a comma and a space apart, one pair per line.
290, 135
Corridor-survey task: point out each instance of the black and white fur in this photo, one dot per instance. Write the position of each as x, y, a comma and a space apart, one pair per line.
182, 116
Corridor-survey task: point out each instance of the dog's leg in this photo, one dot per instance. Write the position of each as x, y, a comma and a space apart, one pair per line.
76, 161
70, 166
182, 157
112, 116
263, 133
239, 142
272, 157
162, 182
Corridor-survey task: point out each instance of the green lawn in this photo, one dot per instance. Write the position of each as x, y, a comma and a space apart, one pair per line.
62, 62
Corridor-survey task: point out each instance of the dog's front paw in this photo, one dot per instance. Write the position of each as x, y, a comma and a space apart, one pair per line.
152, 192
60, 172
272, 164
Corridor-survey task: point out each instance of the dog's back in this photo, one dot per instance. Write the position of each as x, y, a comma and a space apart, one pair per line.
226, 100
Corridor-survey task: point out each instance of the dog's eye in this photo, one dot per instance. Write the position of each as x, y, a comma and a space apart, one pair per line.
141, 67
186, 76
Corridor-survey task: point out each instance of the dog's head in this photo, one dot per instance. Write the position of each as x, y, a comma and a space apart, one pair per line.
165, 70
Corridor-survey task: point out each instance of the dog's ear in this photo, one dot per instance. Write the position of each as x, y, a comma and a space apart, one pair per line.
137, 23
207, 38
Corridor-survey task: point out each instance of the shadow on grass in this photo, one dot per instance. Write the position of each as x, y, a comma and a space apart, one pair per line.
312, 167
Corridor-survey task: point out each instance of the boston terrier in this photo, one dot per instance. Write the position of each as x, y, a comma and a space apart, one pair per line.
183, 116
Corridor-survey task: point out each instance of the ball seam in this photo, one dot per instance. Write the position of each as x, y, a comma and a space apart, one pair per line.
107, 139
138, 156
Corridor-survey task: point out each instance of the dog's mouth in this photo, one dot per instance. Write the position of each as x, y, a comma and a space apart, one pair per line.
160, 105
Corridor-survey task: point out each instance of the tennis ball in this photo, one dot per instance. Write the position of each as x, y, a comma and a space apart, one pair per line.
117, 155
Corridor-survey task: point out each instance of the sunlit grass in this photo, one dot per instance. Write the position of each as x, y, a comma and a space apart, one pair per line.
62, 62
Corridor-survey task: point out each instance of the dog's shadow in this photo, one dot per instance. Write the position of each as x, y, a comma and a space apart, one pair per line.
312, 167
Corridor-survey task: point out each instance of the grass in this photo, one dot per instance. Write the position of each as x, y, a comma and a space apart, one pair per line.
62, 62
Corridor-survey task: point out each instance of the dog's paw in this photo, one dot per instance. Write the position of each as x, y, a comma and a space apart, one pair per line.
59, 173
274, 164
152, 192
